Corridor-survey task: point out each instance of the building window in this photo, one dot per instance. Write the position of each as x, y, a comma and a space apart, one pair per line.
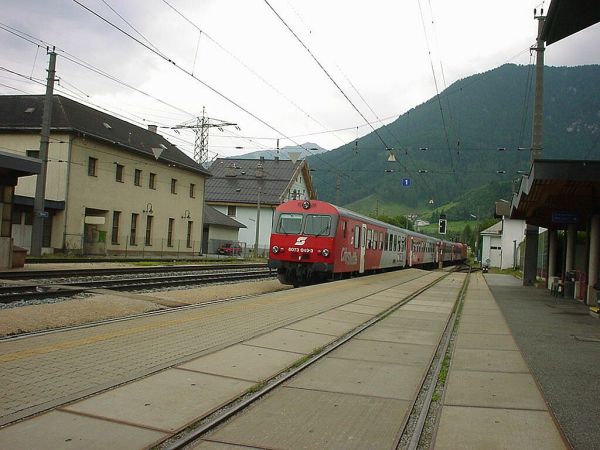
152, 181
148, 240
119, 173
33, 153
231, 211
189, 234
115, 227
92, 167
133, 231
173, 186
137, 177
192, 190
170, 233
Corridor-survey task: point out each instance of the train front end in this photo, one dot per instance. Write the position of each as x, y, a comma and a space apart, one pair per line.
302, 241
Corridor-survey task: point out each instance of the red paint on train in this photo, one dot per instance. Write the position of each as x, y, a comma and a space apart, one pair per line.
315, 240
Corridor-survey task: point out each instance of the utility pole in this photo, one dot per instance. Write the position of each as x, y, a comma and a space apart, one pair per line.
39, 214
532, 231
201, 127
257, 224
538, 105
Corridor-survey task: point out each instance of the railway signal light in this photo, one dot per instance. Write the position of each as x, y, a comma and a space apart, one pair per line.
442, 224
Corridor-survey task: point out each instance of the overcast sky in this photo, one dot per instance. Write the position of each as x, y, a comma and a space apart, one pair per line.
380, 53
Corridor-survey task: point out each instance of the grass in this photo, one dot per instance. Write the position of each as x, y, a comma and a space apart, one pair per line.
517, 273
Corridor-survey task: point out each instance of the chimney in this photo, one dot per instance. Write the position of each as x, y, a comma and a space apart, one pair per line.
259, 169
230, 170
153, 128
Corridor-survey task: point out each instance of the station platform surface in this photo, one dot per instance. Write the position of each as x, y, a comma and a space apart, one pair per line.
501, 391
560, 342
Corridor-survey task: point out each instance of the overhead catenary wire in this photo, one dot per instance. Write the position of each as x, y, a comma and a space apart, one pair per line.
246, 66
436, 87
205, 84
326, 72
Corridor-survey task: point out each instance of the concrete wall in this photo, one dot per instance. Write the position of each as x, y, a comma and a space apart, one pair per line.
512, 230
493, 254
5, 253
217, 232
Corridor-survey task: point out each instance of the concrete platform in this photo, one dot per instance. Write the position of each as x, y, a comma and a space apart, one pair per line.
317, 420
492, 401
328, 404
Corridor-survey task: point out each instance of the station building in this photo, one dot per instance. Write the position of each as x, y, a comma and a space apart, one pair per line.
564, 195
112, 188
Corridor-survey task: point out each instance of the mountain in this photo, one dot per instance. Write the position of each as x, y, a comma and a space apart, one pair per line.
450, 145
306, 149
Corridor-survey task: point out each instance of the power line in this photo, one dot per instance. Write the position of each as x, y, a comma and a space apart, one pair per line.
326, 72
436, 87
246, 66
214, 90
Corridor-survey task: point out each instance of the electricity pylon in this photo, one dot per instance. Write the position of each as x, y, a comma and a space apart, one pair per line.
201, 125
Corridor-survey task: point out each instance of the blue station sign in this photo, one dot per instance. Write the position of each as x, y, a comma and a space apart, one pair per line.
564, 217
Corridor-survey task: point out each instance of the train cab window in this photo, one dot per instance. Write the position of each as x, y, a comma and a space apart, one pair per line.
356, 236
289, 223
317, 225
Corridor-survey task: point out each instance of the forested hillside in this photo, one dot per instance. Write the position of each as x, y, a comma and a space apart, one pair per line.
449, 146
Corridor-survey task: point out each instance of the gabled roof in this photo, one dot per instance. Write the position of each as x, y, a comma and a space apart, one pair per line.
236, 181
214, 217
495, 229
20, 113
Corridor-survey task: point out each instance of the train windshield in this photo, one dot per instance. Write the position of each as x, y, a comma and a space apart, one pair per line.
317, 225
289, 223
312, 224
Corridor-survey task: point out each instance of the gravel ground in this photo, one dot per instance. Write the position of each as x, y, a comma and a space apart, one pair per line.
85, 309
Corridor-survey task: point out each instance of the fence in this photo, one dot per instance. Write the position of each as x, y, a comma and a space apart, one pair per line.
124, 246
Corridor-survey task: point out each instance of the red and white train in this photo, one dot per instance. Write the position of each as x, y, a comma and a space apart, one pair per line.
314, 240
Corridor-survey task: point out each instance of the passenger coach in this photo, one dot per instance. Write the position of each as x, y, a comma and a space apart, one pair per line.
315, 240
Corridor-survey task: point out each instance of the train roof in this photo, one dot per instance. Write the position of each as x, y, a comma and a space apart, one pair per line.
355, 215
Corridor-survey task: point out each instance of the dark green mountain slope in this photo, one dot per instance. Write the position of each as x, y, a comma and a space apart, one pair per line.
481, 114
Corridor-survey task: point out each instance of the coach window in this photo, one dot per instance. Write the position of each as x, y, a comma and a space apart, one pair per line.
356, 236
344, 226
395, 243
289, 223
369, 238
317, 225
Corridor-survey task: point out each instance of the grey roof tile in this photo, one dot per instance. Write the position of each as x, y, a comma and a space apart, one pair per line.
69, 115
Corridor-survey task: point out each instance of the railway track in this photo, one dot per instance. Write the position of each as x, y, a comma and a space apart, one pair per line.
414, 426
72, 273
46, 288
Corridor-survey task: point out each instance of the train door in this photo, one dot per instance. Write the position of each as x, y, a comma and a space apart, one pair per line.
363, 241
409, 250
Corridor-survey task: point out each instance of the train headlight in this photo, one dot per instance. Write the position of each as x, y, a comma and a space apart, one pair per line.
275, 249
325, 253
306, 204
